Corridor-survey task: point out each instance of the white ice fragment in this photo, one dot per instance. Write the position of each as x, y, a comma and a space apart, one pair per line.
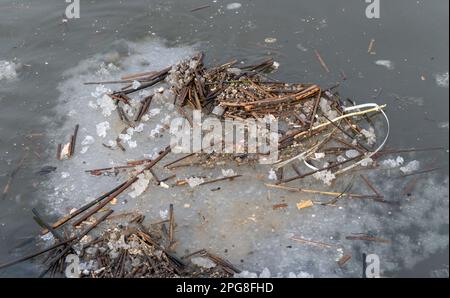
340, 158
92, 105
441, 79
112, 143
370, 135
203, 262
88, 140
272, 175
351, 153
154, 112
164, 214
325, 176
228, 172
156, 131
124, 137
65, 175
326, 109
130, 131
301, 47
139, 128
234, 5
194, 181
366, 162
132, 144
270, 40
245, 274
84, 149
47, 237
100, 90
135, 84
265, 273
275, 65
102, 128
319, 155
393, 163
164, 185
106, 104
386, 63
410, 167
145, 118
7, 70
303, 274
139, 186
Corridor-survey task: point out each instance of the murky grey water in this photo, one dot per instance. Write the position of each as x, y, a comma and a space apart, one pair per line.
413, 35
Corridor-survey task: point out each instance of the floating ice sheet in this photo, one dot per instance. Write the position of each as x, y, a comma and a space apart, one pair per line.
235, 219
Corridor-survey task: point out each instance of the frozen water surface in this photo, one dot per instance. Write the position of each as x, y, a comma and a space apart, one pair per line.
236, 219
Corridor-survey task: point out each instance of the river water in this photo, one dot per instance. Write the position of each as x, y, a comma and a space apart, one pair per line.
44, 59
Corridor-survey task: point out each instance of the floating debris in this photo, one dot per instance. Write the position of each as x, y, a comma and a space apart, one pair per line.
234, 5
8, 70
442, 79
385, 63
304, 204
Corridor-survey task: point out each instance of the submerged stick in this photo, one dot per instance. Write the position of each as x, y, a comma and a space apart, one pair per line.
325, 67
312, 242
375, 191
220, 179
367, 238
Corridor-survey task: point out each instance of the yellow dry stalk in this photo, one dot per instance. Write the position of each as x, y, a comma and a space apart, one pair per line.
358, 113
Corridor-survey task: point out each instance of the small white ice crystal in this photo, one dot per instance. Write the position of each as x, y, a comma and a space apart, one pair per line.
410, 167
135, 84
194, 181
351, 153
124, 137
370, 135
442, 79
84, 149
203, 262
272, 175
139, 128
7, 70
88, 140
156, 131
325, 176
228, 172
132, 144
245, 274
386, 63
340, 158
130, 131
265, 273
319, 155
106, 104
393, 163
234, 5
366, 162
102, 128
154, 112
326, 109
164, 214
139, 186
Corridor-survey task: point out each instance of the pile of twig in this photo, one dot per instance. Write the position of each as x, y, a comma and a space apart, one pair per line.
134, 251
